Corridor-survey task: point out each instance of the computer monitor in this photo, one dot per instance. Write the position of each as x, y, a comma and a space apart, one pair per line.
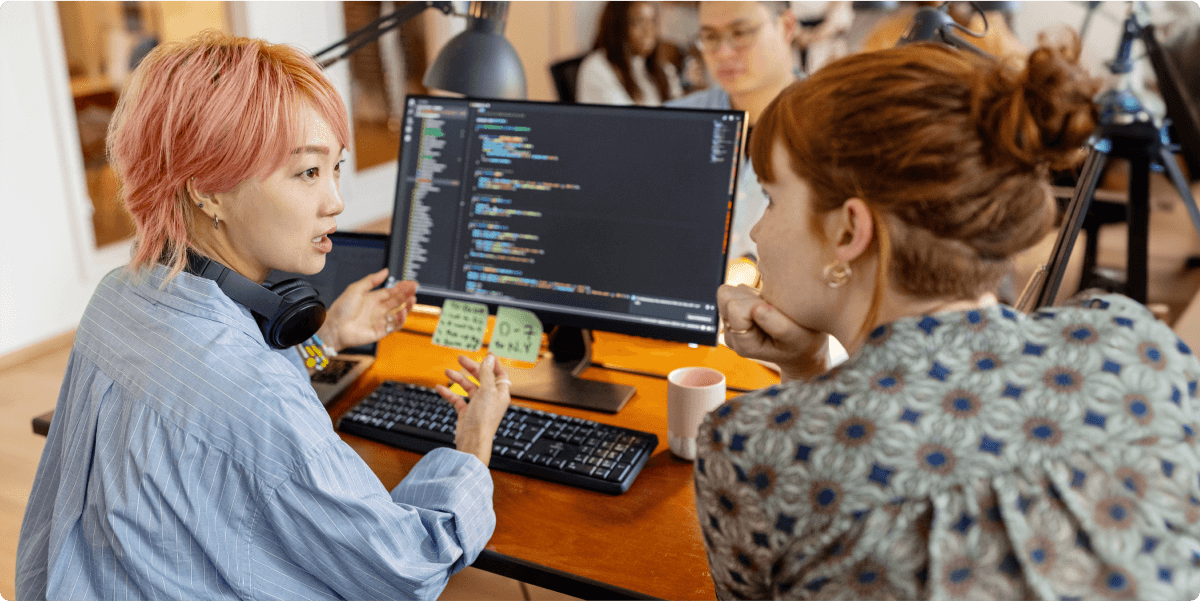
612, 218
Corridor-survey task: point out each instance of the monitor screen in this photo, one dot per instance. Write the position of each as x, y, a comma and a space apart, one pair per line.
601, 217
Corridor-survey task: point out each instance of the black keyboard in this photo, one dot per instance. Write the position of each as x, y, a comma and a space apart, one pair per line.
568, 450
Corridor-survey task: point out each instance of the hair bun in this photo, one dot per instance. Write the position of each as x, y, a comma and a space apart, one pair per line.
1045, 113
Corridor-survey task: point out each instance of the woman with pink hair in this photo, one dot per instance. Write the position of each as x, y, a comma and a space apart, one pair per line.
189, 456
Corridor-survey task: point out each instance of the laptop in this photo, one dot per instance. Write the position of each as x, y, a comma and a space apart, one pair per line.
354, 256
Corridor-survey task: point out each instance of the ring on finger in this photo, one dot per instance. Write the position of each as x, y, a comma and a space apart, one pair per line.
729, 330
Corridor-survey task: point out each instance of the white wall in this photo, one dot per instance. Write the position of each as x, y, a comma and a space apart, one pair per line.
44, 280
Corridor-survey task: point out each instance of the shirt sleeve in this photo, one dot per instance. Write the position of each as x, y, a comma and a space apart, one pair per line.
367, 544
724, 504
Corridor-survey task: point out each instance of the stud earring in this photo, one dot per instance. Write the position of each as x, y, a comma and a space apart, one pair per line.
200, 206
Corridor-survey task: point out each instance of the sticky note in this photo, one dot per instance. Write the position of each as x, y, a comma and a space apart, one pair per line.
516, 335
461, 325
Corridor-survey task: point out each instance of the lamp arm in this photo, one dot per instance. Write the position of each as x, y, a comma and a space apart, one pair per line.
373, 30
967, 30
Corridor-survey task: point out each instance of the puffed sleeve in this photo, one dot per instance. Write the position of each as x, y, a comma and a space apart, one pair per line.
740, 528
341, 525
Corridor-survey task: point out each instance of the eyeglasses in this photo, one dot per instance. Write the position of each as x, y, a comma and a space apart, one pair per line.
739, 38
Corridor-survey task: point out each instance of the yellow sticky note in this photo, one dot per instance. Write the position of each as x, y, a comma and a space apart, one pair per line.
516, 335
461, 325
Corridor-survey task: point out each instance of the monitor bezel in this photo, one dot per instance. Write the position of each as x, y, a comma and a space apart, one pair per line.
558, 317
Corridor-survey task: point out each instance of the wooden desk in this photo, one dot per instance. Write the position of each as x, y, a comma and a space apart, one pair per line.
644, 543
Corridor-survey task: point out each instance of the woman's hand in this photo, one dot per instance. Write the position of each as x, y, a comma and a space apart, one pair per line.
755, 329
479, 418
362, 315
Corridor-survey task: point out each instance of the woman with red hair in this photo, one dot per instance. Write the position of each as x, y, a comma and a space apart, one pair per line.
965, 449
189, 457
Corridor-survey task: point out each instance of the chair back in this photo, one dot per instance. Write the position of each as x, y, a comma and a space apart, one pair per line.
565, 73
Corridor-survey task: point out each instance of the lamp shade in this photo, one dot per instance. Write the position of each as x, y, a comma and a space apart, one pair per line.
480, 61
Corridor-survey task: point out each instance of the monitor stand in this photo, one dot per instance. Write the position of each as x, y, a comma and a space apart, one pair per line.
555, 378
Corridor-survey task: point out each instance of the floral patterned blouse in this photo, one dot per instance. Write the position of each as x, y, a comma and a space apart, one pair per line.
985, 454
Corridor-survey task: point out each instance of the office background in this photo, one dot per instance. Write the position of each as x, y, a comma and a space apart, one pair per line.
49, 260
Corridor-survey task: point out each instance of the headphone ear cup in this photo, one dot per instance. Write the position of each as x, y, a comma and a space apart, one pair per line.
299, 317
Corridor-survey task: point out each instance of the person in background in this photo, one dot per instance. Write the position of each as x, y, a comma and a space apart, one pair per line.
747, 50
821, 37
187, 457
965, 449
629, 63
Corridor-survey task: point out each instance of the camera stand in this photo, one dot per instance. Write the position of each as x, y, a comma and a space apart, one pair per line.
1127, 130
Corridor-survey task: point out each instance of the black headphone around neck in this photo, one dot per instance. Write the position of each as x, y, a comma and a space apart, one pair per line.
288, 312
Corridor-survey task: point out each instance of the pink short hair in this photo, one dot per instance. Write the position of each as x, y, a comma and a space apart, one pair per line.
216, 108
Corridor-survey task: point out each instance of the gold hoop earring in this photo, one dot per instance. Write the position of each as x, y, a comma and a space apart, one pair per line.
837, 273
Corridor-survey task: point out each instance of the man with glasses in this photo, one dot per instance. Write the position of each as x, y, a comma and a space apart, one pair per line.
747, 48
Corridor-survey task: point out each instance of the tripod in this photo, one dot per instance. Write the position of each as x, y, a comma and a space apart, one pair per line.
1127, 130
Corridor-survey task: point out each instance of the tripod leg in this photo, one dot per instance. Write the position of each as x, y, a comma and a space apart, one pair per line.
1181, 186
1043, 288
1138, 233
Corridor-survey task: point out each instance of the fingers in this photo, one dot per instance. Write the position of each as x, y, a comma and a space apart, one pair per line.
501, 373
773, 322
458, 378
486, 374
459, 403
469, 365
396, 301
368, 281
377, 278
736, 304
405, 289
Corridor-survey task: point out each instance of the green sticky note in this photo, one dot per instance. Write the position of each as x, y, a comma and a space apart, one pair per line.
461, 325
516, 335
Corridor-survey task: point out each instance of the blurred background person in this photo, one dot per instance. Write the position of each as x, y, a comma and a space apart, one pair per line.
630, 62
748, 53
822, 35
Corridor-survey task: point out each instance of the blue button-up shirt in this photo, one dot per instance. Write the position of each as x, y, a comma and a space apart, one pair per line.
188, 460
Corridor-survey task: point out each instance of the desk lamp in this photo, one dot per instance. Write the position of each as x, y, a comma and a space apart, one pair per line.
478, 62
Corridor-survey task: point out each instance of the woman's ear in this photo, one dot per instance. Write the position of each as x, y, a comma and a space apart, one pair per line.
207, 202
852, 229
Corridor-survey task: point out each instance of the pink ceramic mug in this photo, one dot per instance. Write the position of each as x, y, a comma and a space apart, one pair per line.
691, 393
